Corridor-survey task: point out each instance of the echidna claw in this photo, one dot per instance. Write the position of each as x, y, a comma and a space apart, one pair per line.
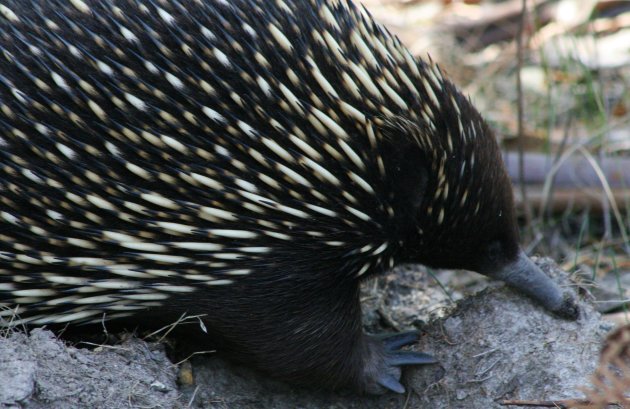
410, 358
391, 383
392, 342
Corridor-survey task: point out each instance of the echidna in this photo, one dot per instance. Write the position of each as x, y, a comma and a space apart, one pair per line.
248, 160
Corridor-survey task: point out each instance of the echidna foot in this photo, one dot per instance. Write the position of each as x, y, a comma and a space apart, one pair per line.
384, 358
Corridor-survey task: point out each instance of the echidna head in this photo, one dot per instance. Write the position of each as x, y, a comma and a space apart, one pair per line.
461, 203
449, 194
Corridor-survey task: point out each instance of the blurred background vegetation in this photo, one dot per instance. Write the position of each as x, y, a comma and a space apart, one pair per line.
565, 65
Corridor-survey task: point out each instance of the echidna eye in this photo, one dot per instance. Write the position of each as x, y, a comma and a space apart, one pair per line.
494, 251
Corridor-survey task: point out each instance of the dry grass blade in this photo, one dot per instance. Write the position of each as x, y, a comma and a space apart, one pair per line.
609, 194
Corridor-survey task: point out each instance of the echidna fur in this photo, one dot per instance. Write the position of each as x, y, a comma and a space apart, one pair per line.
248, 160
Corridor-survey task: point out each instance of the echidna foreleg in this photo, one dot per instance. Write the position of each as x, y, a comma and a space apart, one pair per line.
311, 335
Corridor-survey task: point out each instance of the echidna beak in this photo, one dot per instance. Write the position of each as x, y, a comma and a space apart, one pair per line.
526, 277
